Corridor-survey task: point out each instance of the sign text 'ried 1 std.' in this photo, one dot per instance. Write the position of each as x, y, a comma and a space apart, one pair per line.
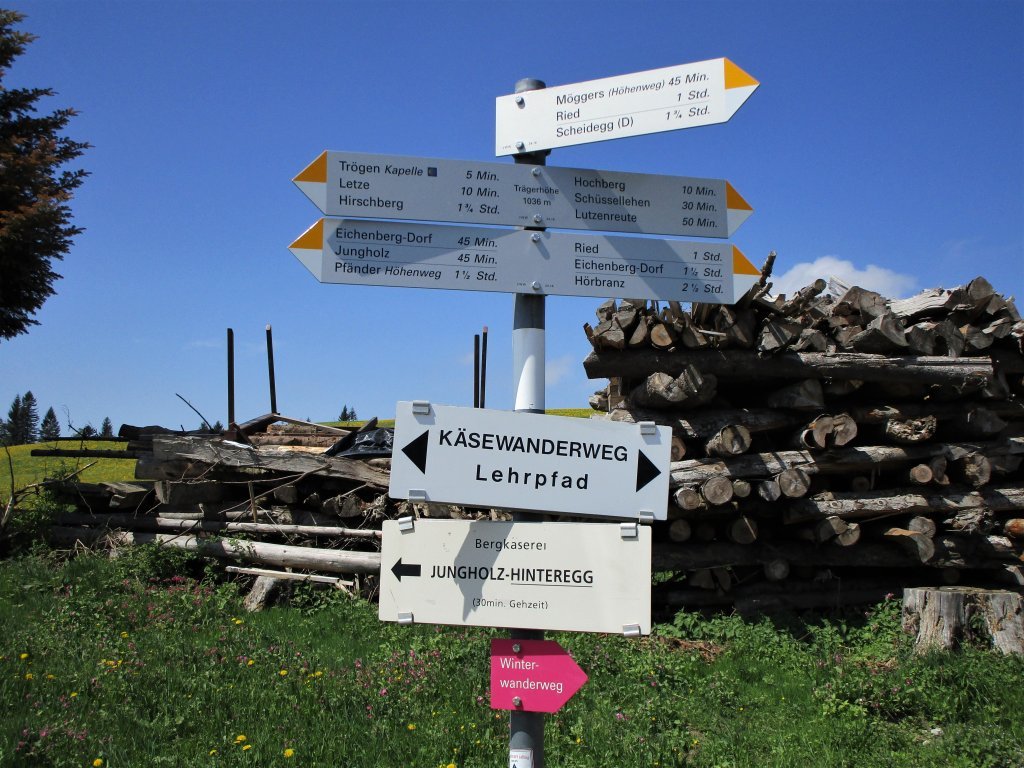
667, 99
501, 459
412, 255
466, 192
572, 577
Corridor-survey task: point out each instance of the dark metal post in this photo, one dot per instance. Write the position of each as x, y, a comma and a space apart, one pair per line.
270, 368
476, 370
526, 729
231, 376
483, 369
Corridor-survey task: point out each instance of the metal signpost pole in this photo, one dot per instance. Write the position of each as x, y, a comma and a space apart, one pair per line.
526, 729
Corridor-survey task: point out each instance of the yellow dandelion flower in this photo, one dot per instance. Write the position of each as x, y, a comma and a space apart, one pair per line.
28, 675
283, 672
411, 726
238, 621
97, 762
213, 751
124, 634
289, 752
51, 677
22, 656
74, 694
247, 747
239, 738
249, 663
451, 765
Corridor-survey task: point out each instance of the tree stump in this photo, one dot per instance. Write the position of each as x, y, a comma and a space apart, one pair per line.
943, 617
263, 593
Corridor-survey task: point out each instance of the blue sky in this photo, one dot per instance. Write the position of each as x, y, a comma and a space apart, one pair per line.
883, 146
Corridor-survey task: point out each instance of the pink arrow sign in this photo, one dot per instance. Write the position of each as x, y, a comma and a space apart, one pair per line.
532, 675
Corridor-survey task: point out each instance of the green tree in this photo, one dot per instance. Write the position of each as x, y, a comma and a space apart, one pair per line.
35, 218
29, 432
344, 415
87, 432
49, 429
106, 428
12, 427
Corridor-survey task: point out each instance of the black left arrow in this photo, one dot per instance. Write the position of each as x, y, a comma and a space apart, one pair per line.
408, 569
645, 470
417, 451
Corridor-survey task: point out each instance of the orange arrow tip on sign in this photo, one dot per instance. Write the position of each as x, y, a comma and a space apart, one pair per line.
741, 264
315, 171
734, 199
312, 239
736, 77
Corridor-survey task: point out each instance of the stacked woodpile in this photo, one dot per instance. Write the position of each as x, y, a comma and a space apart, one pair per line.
268, 496
829, 446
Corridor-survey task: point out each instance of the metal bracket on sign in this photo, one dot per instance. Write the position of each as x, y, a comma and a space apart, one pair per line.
647, 427
628, 630
405, 617
645, 516
629, 530
406, 523
421, 407
417, 494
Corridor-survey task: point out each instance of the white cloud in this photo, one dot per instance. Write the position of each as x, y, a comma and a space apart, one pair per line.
558, 369
888, 283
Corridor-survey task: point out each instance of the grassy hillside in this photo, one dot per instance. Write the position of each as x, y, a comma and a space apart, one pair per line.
28, 469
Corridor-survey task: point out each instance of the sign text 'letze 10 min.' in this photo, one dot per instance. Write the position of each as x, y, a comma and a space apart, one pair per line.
571, 577
461, 191
412, 255
684, 96
502, 459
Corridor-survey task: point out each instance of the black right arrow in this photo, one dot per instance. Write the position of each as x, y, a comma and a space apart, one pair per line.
645, 470
417, 451
405, 570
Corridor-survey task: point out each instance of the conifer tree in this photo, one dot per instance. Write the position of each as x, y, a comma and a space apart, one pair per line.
49, 428
106, 428
35, 218
29, 419
12, 427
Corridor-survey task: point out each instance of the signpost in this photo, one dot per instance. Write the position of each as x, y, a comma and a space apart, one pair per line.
410, 255
498, 459
530, 576
532, 675
467, 192
576, 577
684, 96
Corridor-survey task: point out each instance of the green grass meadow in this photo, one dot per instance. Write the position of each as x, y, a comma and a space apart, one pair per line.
149, 659
128, 662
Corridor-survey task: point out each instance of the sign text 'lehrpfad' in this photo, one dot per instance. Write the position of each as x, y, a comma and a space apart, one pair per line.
572, 577
465, 192
684, 96
412, 255
502, 459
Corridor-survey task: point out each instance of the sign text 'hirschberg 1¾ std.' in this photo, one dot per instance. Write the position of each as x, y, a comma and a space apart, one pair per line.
500, 459
412, 255
667, 99
468, 192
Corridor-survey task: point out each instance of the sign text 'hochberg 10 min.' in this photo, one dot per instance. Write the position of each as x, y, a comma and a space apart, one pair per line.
461, 191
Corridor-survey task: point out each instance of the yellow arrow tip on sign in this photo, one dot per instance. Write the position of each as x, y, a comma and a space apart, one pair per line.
312, 239
734, 199
736, 77
315, 171
741, 264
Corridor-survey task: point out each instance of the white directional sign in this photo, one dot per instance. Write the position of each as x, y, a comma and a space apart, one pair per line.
461, 191
667, 99
360, 252
574, 577
501, 459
